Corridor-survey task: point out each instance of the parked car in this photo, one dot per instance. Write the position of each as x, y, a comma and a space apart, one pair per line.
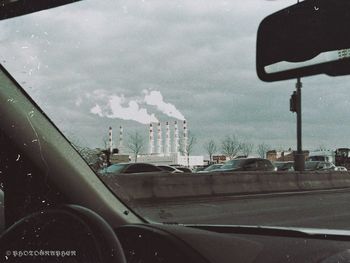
196, 169
319, 165
284, 166
211, 168
130, 168
246, 164
170, 169
184, 169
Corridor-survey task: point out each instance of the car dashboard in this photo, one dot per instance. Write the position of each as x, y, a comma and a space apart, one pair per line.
197, 244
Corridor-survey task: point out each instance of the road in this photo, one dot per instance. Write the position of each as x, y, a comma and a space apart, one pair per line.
321, 209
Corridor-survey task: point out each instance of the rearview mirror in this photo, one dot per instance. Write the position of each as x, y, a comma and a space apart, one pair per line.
13, 8
309, 38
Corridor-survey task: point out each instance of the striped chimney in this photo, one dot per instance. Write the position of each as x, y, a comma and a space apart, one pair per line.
167, 139
185, 135
120, 138
151, 139
159, 138
176, 138
110, 140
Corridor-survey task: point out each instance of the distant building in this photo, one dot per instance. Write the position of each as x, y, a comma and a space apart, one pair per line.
283, 156
119, 158
164, 146
170, 159
220, 158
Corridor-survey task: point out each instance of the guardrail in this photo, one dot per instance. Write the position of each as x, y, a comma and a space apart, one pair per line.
148, 187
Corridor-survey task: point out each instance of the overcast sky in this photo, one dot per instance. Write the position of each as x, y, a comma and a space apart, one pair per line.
96, 64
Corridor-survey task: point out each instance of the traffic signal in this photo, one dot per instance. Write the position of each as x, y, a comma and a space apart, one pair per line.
293, 102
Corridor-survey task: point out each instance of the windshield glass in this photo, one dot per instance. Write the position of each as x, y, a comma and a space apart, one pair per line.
213, 167
232, 164
175, 83
114, 168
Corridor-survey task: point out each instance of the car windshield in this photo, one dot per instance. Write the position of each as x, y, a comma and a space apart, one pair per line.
115, 168
166, 168
175, 83
317, 158
213, 167
232, 164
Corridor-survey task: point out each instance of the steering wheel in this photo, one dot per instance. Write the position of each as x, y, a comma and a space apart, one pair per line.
68, 234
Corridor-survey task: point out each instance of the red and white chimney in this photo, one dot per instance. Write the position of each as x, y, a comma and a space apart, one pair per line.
120, 138
167, 138
151, 139
110, 140
160, 139
176, 138
185, 136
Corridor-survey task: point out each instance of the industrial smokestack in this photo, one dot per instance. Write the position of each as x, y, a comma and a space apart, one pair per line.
120, 138
184, 137
167, 139
176, 138
160, 139
151, 139
110, 140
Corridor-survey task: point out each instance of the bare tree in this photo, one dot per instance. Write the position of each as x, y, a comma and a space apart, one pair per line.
247, 148
262, 149
91, 156
211, 149
188, 148
135, 144
230, 146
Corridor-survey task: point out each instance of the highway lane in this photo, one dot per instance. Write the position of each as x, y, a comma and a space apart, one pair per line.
322, 209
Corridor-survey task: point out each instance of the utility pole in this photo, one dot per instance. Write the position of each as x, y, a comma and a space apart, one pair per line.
295, 106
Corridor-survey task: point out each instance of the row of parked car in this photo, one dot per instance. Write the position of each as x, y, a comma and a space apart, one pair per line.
310, 166
128, 168
241, 164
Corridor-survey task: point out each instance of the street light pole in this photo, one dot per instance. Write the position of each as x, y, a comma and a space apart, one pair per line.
299, 160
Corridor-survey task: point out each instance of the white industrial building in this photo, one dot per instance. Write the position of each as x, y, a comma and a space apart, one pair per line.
163, 147
171, 159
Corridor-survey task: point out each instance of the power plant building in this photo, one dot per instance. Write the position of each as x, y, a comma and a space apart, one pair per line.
172, 151
169, 153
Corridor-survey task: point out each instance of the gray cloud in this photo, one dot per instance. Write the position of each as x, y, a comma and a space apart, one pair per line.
199, 55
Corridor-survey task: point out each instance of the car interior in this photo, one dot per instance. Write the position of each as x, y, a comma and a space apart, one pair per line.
52, 201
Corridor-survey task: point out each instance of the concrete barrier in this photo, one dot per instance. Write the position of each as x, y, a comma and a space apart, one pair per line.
162, 186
